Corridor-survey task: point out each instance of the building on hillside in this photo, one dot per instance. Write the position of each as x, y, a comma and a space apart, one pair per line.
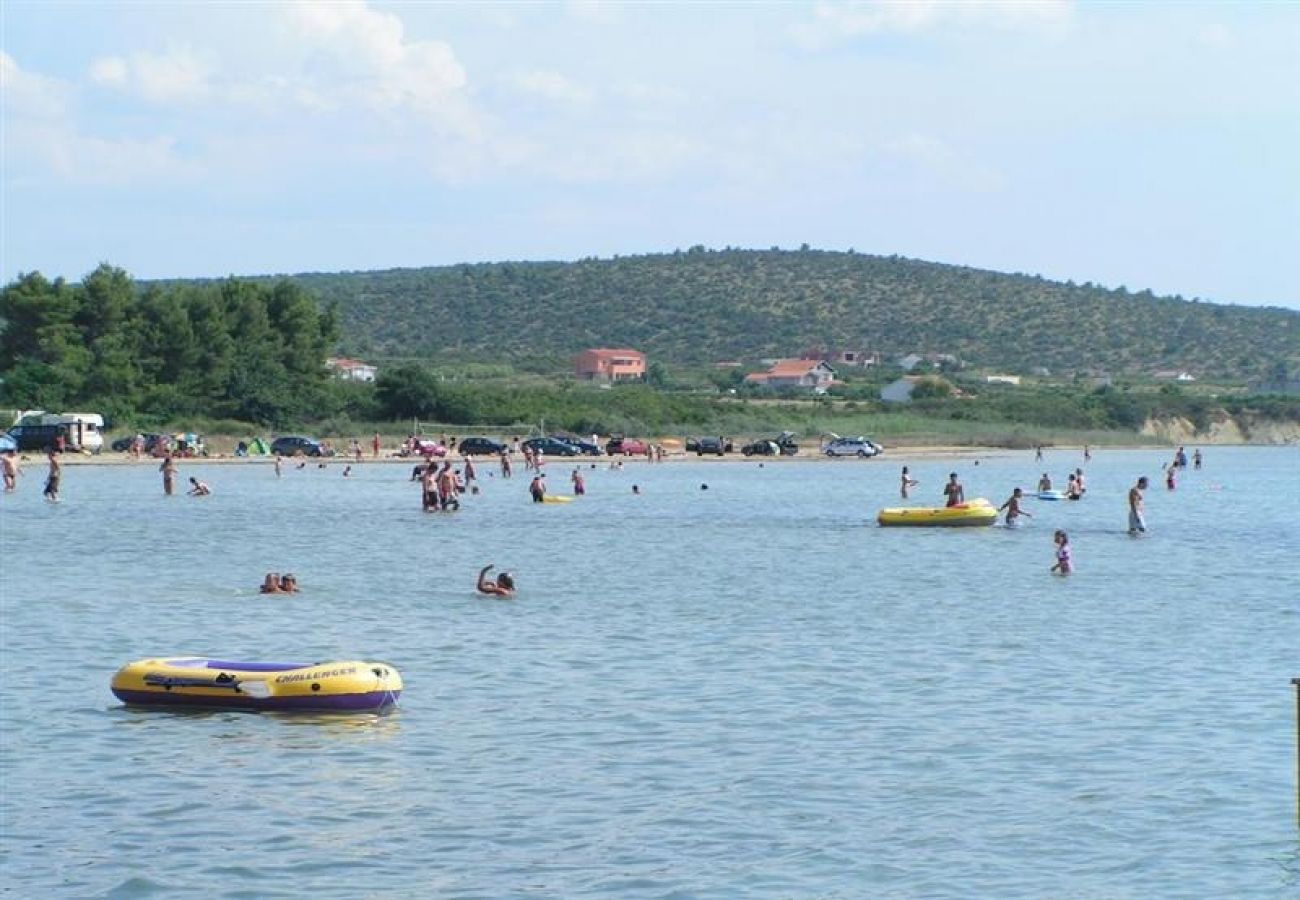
804, 373
842, 357
899, 391
351, 369
910, 361
609, 365
1002, 379
1173, 375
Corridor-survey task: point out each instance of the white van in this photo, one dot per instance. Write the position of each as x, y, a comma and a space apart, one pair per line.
84, 431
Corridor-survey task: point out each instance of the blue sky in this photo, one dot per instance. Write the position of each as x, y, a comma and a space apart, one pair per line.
1153, 145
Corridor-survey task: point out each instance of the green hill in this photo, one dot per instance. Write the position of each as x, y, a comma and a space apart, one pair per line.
703, 306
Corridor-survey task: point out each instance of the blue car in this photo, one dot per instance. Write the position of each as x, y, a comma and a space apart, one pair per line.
7, 443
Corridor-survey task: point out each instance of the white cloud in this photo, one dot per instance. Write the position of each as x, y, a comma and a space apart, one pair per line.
552, 86
27, 94
177, 77
837, 22
110, 70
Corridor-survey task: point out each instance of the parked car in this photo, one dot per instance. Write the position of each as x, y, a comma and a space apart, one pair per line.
783, 445
36, 437
550, 446
585, 447
480, 446
294, 445
702, 445
429, 448
123, 444
852, 446
7, 443
625, 446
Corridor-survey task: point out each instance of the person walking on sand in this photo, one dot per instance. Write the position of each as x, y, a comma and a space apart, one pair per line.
1136, 507
168, 469
1012, 506
579, 484
53, 478
9, 462
907, 481
198, 488
504, 586
1064, 564
953, 491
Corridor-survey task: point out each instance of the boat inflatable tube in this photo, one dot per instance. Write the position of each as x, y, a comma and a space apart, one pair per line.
558, 498
1050, 495
973, 513
350, 686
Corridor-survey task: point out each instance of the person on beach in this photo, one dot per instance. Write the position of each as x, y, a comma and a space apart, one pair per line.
1044, 483
504, 586
1064, 565
54, 477
953, 491
1180, 458
198, 488
1136, 507
1196, 458
579, 484
347, 471
168, 469
9, 462
1012, 506
906, 481
375, 444
270, 584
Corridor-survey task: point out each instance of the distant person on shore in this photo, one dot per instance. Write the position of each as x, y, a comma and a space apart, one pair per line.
906, 481
198, 488
579, 483
168, 469
1044, 483
504, 586
537, 488
1064, 564
953, 491
375, 444
1136, 507
1196, 458
54, 477
9, 462
1012, 506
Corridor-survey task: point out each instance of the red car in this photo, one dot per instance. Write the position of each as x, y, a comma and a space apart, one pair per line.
429, 448
626, 446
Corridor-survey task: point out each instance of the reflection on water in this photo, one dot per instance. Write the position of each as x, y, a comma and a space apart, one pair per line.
746, 691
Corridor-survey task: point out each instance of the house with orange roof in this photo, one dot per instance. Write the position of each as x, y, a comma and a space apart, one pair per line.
815, 374
610, 365
351, 369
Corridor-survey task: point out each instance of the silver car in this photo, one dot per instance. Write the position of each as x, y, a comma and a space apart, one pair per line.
853, 446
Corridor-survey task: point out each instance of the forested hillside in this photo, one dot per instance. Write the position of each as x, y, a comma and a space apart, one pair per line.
703, 306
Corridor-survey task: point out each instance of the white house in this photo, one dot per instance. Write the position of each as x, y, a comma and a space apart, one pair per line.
1002, 379
809, 373
351, 369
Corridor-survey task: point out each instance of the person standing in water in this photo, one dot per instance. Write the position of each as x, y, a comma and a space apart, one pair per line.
168, 469
1136, 507
279, 466
579, 484
54, 477
1064, 564
906, 481
506, 468
1044, 483
1087, 454
1196, 458
504, 586
537, 488
10, 464
1012, 506
953, 491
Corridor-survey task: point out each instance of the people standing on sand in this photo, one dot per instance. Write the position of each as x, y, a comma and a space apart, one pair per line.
1064, 564
54, 477
907, 481
1196, 459
506, 471
504, 586
168, 469
1136, 507
579, 484
1044, 483
375, 444
9, 462
198, 488
537, 488
1012, 506
953, 491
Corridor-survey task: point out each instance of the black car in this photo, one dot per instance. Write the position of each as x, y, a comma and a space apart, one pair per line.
783, 445
36, 437
293, 445
479, 446
549, 446
715, 445
586, 448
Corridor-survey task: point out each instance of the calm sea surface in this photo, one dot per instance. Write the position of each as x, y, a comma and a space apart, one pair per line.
745, 691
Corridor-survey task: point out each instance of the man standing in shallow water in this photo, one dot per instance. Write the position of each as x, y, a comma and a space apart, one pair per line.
954, 491
168, 469
1136, 521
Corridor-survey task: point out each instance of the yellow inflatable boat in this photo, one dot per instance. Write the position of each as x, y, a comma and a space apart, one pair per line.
350, 686
976, 512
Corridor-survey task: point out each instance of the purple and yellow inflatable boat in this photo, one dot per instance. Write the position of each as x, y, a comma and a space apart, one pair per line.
350, 686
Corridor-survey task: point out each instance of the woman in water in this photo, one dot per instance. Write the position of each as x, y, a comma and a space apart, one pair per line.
1063, 564
579, 485
504, 586
907, 482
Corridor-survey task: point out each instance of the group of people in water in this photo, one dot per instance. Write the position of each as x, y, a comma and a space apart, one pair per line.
275, 583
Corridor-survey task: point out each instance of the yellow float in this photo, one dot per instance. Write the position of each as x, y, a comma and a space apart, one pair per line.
350, 686
976, 512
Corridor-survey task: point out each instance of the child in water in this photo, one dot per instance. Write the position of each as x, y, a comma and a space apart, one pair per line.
1064, 565
1012, 506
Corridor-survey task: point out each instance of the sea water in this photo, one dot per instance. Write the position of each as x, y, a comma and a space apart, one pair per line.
749, 690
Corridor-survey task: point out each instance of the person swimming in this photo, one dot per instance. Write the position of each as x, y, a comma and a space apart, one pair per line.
199, 488
504, 586
288, 583
271, 584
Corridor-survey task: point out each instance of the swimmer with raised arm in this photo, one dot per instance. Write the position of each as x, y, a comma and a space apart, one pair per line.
504, 586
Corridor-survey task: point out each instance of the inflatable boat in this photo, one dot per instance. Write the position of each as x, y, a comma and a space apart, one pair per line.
350, 686
975, 512
558, 498
1050, 495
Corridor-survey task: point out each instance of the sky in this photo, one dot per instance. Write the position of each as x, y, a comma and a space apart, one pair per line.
1150, 145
